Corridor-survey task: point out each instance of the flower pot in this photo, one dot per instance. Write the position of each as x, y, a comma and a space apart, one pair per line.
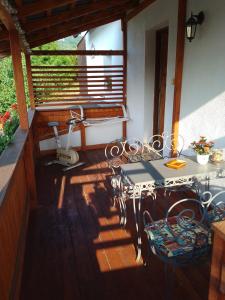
202, 159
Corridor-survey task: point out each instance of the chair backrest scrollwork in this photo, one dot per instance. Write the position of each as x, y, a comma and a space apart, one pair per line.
215, 205
113, 154
169, 145
189, 213
163, 145
132, 150
122, 151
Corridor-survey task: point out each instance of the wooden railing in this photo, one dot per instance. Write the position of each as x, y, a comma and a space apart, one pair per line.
15, 200
217, 275
44, 116
75, 84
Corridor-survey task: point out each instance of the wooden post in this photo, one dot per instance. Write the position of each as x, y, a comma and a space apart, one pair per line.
18, 76
124, 29
83, 137
22, 110
178, 70
29, 80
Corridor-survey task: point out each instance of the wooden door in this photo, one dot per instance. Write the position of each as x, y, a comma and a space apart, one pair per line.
160, 80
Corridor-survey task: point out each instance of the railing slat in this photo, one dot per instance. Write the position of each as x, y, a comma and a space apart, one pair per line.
78, 83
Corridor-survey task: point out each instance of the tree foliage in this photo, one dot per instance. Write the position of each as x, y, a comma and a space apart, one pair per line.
7, 85
9, 119
53, 60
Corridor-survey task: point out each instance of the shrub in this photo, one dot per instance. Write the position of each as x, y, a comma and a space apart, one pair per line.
8, 125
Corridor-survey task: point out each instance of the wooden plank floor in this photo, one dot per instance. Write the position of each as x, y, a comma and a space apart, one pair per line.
76, 248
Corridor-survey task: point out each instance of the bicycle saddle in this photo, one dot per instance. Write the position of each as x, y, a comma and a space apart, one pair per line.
52, 124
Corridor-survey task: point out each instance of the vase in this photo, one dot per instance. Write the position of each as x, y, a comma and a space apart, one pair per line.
202, 159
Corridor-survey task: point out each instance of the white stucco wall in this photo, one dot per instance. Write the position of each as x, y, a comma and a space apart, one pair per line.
203, 88
203, 91
106, 37
141, 66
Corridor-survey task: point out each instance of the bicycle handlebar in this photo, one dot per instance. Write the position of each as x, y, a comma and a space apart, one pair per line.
74, 121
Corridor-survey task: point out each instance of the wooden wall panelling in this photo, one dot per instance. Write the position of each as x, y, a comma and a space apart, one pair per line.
13, 213
42, 131
30, 170
216, 286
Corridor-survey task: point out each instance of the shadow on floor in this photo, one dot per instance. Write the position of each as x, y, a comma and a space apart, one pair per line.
76, 248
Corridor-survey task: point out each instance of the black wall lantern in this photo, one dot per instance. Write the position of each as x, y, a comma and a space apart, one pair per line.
192, 23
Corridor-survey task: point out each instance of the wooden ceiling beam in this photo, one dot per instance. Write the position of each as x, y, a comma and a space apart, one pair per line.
40, 6
6, 18
4, 45
19, 3
38, 42
76, 12
4, 35
85, 21
4, 54
139, 8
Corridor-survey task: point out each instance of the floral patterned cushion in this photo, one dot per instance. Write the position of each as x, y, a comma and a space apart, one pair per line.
147, 155
177, 237
132, 158
217, 214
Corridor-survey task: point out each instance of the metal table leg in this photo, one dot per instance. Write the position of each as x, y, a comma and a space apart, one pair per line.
137, 217
207, 184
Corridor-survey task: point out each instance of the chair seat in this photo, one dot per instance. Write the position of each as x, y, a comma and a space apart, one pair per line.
146, 155
216, 214
174, 239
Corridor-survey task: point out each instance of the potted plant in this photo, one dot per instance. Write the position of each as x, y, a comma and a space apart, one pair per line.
202, 149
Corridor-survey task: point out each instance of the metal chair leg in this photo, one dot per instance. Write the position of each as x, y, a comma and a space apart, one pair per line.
121, 211
124, 207
137, 218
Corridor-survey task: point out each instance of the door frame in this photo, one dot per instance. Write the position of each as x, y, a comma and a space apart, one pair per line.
156, 88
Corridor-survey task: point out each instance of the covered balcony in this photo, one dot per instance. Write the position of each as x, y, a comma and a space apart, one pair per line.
60, 233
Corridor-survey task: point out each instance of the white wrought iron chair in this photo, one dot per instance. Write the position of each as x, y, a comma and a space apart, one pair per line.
184, 236
215, 205
132, 150
117, 153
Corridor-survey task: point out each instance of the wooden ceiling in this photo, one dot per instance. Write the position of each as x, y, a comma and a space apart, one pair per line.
48, 20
